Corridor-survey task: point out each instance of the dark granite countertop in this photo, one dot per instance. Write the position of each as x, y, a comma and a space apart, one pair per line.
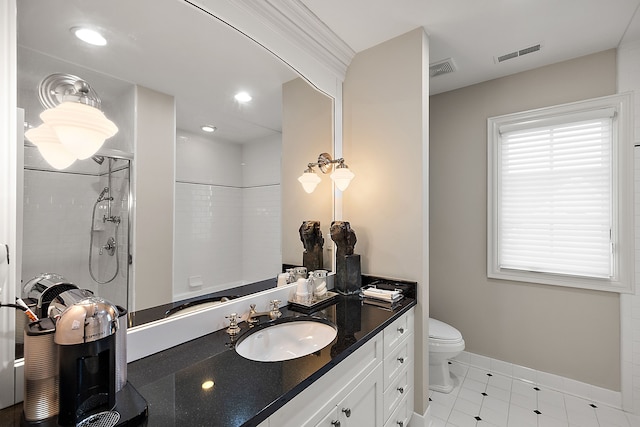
246, 392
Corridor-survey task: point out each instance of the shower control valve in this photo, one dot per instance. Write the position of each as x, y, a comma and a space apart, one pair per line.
110, 247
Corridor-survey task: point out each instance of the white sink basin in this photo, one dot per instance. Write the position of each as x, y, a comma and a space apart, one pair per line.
285, 341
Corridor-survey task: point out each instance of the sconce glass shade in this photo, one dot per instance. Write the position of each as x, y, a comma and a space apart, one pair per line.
309, 180
81, 128
342, 176
50, 147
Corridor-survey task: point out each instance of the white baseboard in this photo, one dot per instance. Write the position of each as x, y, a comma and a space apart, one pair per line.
545, 379
418, 420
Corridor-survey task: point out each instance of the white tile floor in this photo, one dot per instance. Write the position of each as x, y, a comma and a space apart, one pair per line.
487, 399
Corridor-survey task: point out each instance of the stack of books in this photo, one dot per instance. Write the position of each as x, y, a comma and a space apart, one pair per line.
381, 297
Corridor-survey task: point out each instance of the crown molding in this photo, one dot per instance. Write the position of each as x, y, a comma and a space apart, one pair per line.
293, 20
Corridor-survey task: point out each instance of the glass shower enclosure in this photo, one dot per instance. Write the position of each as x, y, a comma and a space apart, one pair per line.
76, 223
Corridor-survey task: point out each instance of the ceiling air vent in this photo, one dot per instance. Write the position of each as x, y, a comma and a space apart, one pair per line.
518, 53
442, 67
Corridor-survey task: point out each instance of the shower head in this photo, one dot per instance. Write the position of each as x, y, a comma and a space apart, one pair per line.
104, 192
98, 159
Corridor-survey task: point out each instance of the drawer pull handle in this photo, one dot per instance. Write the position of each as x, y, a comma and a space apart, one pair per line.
401, 390
401, 359
347, 412
401, 330
335, 423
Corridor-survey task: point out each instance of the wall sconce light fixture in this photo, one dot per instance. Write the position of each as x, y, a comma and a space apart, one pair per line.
74, 126
341, 176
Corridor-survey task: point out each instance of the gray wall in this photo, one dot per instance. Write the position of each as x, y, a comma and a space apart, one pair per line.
569, 332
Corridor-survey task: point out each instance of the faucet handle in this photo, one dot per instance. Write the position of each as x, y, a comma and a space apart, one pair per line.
275, 311
233, 328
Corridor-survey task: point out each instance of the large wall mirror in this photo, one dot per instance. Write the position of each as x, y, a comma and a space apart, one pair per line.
237, 206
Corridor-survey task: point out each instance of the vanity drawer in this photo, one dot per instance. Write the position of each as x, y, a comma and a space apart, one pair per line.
402, 415
400, 388
398, 331
398, 360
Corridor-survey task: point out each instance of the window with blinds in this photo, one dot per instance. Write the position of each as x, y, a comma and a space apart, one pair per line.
558, 197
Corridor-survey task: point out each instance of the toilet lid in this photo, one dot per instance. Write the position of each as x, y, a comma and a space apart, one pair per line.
441, 331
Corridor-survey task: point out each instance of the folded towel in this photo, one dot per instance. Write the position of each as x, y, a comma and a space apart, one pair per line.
382, 294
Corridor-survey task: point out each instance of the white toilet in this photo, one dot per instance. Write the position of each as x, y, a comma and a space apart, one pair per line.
445, 342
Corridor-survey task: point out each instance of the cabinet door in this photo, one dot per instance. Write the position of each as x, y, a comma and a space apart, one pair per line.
313, 404
363, 406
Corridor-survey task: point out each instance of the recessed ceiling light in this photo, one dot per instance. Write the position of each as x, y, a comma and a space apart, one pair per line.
243, 97
208, 128
207, 385
89, 36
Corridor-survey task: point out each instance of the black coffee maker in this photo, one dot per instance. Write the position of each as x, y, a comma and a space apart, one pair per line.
85, 334
89, 366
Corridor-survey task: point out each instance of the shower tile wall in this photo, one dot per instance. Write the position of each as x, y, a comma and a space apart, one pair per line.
57, 217
261, 232
227, 218
208, 239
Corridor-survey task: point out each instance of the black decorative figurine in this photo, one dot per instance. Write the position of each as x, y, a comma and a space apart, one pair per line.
348, 273
312, 240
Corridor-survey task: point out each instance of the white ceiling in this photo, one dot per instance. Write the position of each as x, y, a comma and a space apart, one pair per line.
474, 32
172, 47
165, 45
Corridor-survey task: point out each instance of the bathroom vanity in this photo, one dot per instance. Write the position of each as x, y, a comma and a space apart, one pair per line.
364, 377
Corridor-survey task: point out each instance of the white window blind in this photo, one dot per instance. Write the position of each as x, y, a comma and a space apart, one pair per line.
555, 200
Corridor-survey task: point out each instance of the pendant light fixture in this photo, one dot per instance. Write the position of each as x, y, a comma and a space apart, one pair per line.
49, 146
73, 114
309, 180
341, 176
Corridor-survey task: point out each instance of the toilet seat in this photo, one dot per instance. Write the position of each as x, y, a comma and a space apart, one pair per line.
440, 332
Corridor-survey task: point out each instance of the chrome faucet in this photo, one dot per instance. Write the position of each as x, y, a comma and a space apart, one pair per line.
273, 313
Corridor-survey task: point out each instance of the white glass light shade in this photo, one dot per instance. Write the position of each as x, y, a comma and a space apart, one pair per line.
309, 181
50, 147
82, 129
342, 176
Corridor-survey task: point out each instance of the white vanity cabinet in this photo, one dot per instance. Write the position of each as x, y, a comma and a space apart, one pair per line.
398, 367
372, 387
355, 385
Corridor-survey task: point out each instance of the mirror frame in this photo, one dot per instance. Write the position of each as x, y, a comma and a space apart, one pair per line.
256, 25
